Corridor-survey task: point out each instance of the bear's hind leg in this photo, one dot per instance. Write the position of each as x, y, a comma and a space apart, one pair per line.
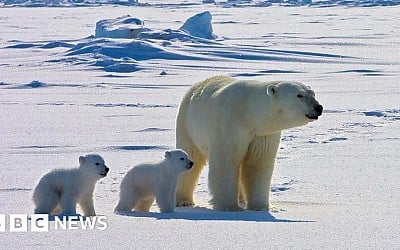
57, 209
127, 201
45, 199
188, 179
144, 205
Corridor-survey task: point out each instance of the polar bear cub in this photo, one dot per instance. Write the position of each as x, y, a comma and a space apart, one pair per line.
61, 189
146, 182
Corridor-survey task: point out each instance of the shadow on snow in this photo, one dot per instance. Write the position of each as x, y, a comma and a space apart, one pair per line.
205, 214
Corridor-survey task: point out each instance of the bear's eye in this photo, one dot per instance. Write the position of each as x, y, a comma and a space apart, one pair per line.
182, 159
300, 96
97, 164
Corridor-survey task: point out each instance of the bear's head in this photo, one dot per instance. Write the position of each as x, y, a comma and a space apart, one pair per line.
294, 104
93, 166
179, 160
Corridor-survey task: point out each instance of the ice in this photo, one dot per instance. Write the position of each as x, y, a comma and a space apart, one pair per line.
199, 25
223, 3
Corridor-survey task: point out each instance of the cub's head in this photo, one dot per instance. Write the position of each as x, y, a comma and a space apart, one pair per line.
179, 159
93, 165
295, 103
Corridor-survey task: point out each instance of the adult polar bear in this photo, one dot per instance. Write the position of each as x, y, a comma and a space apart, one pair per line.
236, 125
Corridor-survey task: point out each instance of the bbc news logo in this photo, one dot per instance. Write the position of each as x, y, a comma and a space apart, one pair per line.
42, 223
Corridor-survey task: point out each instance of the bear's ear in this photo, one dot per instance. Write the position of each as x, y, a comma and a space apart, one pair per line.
167, 154
81, 160
271, 90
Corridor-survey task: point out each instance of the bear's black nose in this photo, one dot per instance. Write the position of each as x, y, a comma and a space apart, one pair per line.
191, 164
107, 169
319, 109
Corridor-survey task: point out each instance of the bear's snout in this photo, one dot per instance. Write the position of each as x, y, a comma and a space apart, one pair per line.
319, 109
106, 169
190, 165
316, 112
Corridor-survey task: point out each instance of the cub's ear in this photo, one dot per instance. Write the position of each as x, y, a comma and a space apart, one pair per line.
272, 90
81, 160
167, 154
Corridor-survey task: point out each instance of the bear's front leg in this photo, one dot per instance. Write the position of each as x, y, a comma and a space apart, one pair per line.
166, 197
68, 204
223, 177
257, 169
87, 205
223, 185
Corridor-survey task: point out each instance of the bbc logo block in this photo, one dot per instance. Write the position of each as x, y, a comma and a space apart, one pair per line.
40, 223
2, 222
20, 222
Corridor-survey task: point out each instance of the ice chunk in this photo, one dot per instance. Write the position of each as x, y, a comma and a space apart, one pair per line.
121, 27
199, 25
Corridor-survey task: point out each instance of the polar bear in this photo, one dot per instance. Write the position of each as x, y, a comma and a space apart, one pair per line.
61, 189
145, 182
236, 126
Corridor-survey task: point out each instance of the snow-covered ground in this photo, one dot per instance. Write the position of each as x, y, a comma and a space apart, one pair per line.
68, 90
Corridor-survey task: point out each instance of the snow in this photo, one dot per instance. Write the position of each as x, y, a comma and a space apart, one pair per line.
75, 81
222, 3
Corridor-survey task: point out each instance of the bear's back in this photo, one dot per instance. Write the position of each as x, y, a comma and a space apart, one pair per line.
144, 175
209, 87
61, 179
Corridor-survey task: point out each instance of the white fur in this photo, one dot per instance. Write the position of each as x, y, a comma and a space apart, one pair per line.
60, 190
146, 182
236, 125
